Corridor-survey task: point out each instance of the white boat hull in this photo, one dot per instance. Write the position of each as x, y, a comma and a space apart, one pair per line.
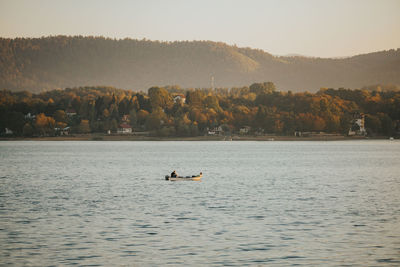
181, 178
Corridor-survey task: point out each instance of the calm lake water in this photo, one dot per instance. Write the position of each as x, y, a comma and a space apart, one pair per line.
259, 203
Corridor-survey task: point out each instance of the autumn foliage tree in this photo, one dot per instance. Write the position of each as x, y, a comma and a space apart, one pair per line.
260, 106
44, 124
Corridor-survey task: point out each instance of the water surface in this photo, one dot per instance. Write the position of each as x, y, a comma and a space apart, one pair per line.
260, 203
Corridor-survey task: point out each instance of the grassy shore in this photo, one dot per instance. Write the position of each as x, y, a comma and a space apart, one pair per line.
99, 137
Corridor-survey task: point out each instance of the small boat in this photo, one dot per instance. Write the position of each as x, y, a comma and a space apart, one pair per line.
184, 178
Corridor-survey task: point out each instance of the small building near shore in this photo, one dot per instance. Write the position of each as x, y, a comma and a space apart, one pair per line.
124, 129
215, 131
358, 125
8, 131
297, 133
65, 131
30, 117
245, 130
62, 131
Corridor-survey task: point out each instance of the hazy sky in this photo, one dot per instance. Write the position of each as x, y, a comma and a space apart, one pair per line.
325, 28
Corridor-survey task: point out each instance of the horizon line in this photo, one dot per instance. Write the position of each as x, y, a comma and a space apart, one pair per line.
291, 55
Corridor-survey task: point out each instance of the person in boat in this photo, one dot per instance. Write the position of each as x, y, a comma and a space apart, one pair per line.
174, 174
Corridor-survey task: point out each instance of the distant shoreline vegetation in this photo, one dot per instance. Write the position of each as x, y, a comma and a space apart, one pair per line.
257, 110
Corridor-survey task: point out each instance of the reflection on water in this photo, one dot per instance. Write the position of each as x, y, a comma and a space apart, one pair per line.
106, 203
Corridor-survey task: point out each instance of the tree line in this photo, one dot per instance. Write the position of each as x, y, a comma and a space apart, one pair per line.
173, 111
51, 62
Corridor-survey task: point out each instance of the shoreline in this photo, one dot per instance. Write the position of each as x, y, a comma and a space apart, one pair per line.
94, 137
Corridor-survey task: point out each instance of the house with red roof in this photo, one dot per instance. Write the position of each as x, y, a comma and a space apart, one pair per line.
124, 129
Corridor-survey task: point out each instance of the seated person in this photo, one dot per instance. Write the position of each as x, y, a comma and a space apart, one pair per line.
174, 174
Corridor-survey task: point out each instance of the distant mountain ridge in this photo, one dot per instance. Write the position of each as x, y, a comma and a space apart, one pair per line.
37, 64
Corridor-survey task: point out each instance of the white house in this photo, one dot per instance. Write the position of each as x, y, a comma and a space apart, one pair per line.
30, 116
215, 131
8, 131
124, 129
65, 131
245, 130
359, 123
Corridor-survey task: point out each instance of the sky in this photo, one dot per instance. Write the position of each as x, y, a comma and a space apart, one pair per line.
320, 28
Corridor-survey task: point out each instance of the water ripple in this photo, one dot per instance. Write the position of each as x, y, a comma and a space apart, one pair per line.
106, 204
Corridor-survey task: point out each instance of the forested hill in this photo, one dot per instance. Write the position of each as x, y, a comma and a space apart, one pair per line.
58, 62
